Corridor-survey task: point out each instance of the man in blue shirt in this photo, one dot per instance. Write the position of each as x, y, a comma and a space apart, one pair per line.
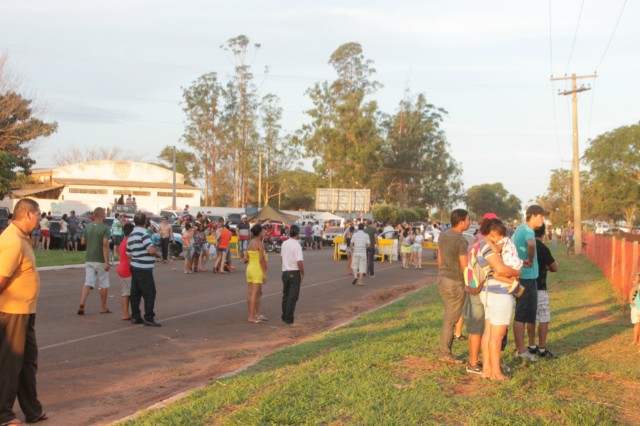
143, 254
526, 305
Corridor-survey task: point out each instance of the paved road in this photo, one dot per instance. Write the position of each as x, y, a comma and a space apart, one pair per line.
95, 369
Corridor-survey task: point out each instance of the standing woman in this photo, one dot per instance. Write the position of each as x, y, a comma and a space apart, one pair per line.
347, 239
187, 239
405, 249
64, 231
418, 239
256, 274
199, 239
44, 229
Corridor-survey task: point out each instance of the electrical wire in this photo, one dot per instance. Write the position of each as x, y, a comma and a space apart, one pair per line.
575, 36
553, 94
612, 34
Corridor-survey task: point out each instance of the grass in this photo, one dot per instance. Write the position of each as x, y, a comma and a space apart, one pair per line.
58, 257
383, 369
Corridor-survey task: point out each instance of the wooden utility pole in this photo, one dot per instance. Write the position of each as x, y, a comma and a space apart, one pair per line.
577, 212
259, 179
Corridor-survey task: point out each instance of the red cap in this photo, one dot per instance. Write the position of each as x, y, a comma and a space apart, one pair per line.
490, 216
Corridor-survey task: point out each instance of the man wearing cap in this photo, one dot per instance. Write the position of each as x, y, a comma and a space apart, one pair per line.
527, 305
243, 235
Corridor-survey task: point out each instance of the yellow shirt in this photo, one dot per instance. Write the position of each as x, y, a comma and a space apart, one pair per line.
18, 263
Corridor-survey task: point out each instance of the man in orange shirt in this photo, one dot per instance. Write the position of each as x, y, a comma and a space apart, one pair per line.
19, 290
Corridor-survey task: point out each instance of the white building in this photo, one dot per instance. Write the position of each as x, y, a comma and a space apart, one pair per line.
85, 186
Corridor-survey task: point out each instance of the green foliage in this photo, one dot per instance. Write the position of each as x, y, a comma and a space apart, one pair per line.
18, 127
614, 162
493, 198
395, 215
300, 189
186, 163
418, 168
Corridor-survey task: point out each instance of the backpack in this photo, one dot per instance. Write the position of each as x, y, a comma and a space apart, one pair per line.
475, 276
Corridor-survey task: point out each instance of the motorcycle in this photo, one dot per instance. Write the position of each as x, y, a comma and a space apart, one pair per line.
278, 243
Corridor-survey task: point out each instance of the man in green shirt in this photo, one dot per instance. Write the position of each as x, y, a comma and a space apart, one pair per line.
96, 237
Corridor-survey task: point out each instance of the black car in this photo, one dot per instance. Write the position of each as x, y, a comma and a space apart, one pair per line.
4, 218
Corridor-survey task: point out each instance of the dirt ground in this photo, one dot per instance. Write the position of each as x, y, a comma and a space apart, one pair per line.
96, 369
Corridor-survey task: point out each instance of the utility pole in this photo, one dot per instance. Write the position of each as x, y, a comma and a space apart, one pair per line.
259, 179
577, 212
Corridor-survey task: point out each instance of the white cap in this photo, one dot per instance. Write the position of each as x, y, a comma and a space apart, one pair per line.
244, 216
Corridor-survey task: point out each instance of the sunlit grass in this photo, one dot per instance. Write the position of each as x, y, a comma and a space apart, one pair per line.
58, 257
383, 369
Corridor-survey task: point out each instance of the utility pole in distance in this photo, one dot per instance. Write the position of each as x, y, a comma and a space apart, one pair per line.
577, 212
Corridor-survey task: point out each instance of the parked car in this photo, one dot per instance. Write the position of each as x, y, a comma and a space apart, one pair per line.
4, 218
234, 219
330, 233
603, 228
175, 249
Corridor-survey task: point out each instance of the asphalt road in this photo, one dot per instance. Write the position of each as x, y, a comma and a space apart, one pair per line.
96, 368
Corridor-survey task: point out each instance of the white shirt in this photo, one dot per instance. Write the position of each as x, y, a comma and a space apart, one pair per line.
436, 234
387, 232
317, 230
291, 253
359, 240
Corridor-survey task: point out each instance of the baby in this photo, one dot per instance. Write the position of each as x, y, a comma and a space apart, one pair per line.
507, 249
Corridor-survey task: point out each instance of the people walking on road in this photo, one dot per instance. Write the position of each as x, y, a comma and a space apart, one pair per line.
359, 244
452, 259
292, 274
117, 234
317, 236
19, 290
96, 238
256, 274
243, 229
73, 222
124, 271
187, 246
166, 237
142, 254
527, 305
372, 232
418, 239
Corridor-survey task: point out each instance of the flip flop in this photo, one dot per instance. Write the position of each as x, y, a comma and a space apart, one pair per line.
263, 318
42, 417
81, 310
126, 319
255, 321
108, 311
14, 421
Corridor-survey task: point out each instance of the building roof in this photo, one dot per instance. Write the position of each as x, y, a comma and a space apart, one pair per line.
123, 183
27, 192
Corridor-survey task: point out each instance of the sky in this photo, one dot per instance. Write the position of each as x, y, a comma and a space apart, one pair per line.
112, 73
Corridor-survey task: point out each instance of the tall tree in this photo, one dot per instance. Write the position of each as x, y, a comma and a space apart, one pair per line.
557, 200
203, 133
614, 162
493, 198
18, 128
418, 167
243, 117
344, 136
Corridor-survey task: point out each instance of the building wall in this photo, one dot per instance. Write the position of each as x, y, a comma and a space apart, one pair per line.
117, 170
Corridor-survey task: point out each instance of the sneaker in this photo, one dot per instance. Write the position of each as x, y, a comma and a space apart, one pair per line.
528, 356
151, 324
460, 338
137, 321
545, 354
474, 369
532, 349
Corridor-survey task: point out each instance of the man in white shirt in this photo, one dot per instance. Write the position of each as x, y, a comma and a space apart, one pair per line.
317, 235
360, 242
292, 275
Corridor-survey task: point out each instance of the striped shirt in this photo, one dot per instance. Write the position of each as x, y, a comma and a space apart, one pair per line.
359, 240
138, 245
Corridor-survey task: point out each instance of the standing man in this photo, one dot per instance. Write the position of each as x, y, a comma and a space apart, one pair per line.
19, 290
359, 244
72, 222
292, 274
527, 305
317, 235
452, 259
242, 229
166, 237
546, 263
117, 234
143, 254
372, 232
96, 263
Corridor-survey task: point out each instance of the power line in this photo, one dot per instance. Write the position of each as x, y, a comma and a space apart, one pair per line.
575, 36
612, 34
553, 97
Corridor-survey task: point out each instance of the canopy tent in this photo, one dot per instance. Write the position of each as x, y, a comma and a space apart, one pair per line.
269, 212
326, 216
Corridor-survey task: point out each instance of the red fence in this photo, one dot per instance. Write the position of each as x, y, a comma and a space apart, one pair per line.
617, 258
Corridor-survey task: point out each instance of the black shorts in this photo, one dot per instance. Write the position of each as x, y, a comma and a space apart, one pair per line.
527, 304
317, 239
116, 239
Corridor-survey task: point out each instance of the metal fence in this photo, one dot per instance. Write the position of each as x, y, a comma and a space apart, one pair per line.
617, 258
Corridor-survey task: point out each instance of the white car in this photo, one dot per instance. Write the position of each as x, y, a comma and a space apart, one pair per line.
602, 228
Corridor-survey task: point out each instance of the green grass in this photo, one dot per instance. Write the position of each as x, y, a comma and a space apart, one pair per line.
58, 257
383, 370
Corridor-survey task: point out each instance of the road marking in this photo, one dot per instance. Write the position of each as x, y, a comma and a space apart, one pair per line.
213, 308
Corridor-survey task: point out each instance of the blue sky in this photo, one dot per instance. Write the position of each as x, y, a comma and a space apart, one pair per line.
111, 73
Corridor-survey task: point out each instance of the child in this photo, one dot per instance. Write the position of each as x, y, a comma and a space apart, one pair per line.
187, 237
509, 253
634, 304
124, 271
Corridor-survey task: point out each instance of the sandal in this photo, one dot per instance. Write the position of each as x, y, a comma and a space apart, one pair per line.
42, 417
108, 311
80, 312
14, 421
263, 318
255, 321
